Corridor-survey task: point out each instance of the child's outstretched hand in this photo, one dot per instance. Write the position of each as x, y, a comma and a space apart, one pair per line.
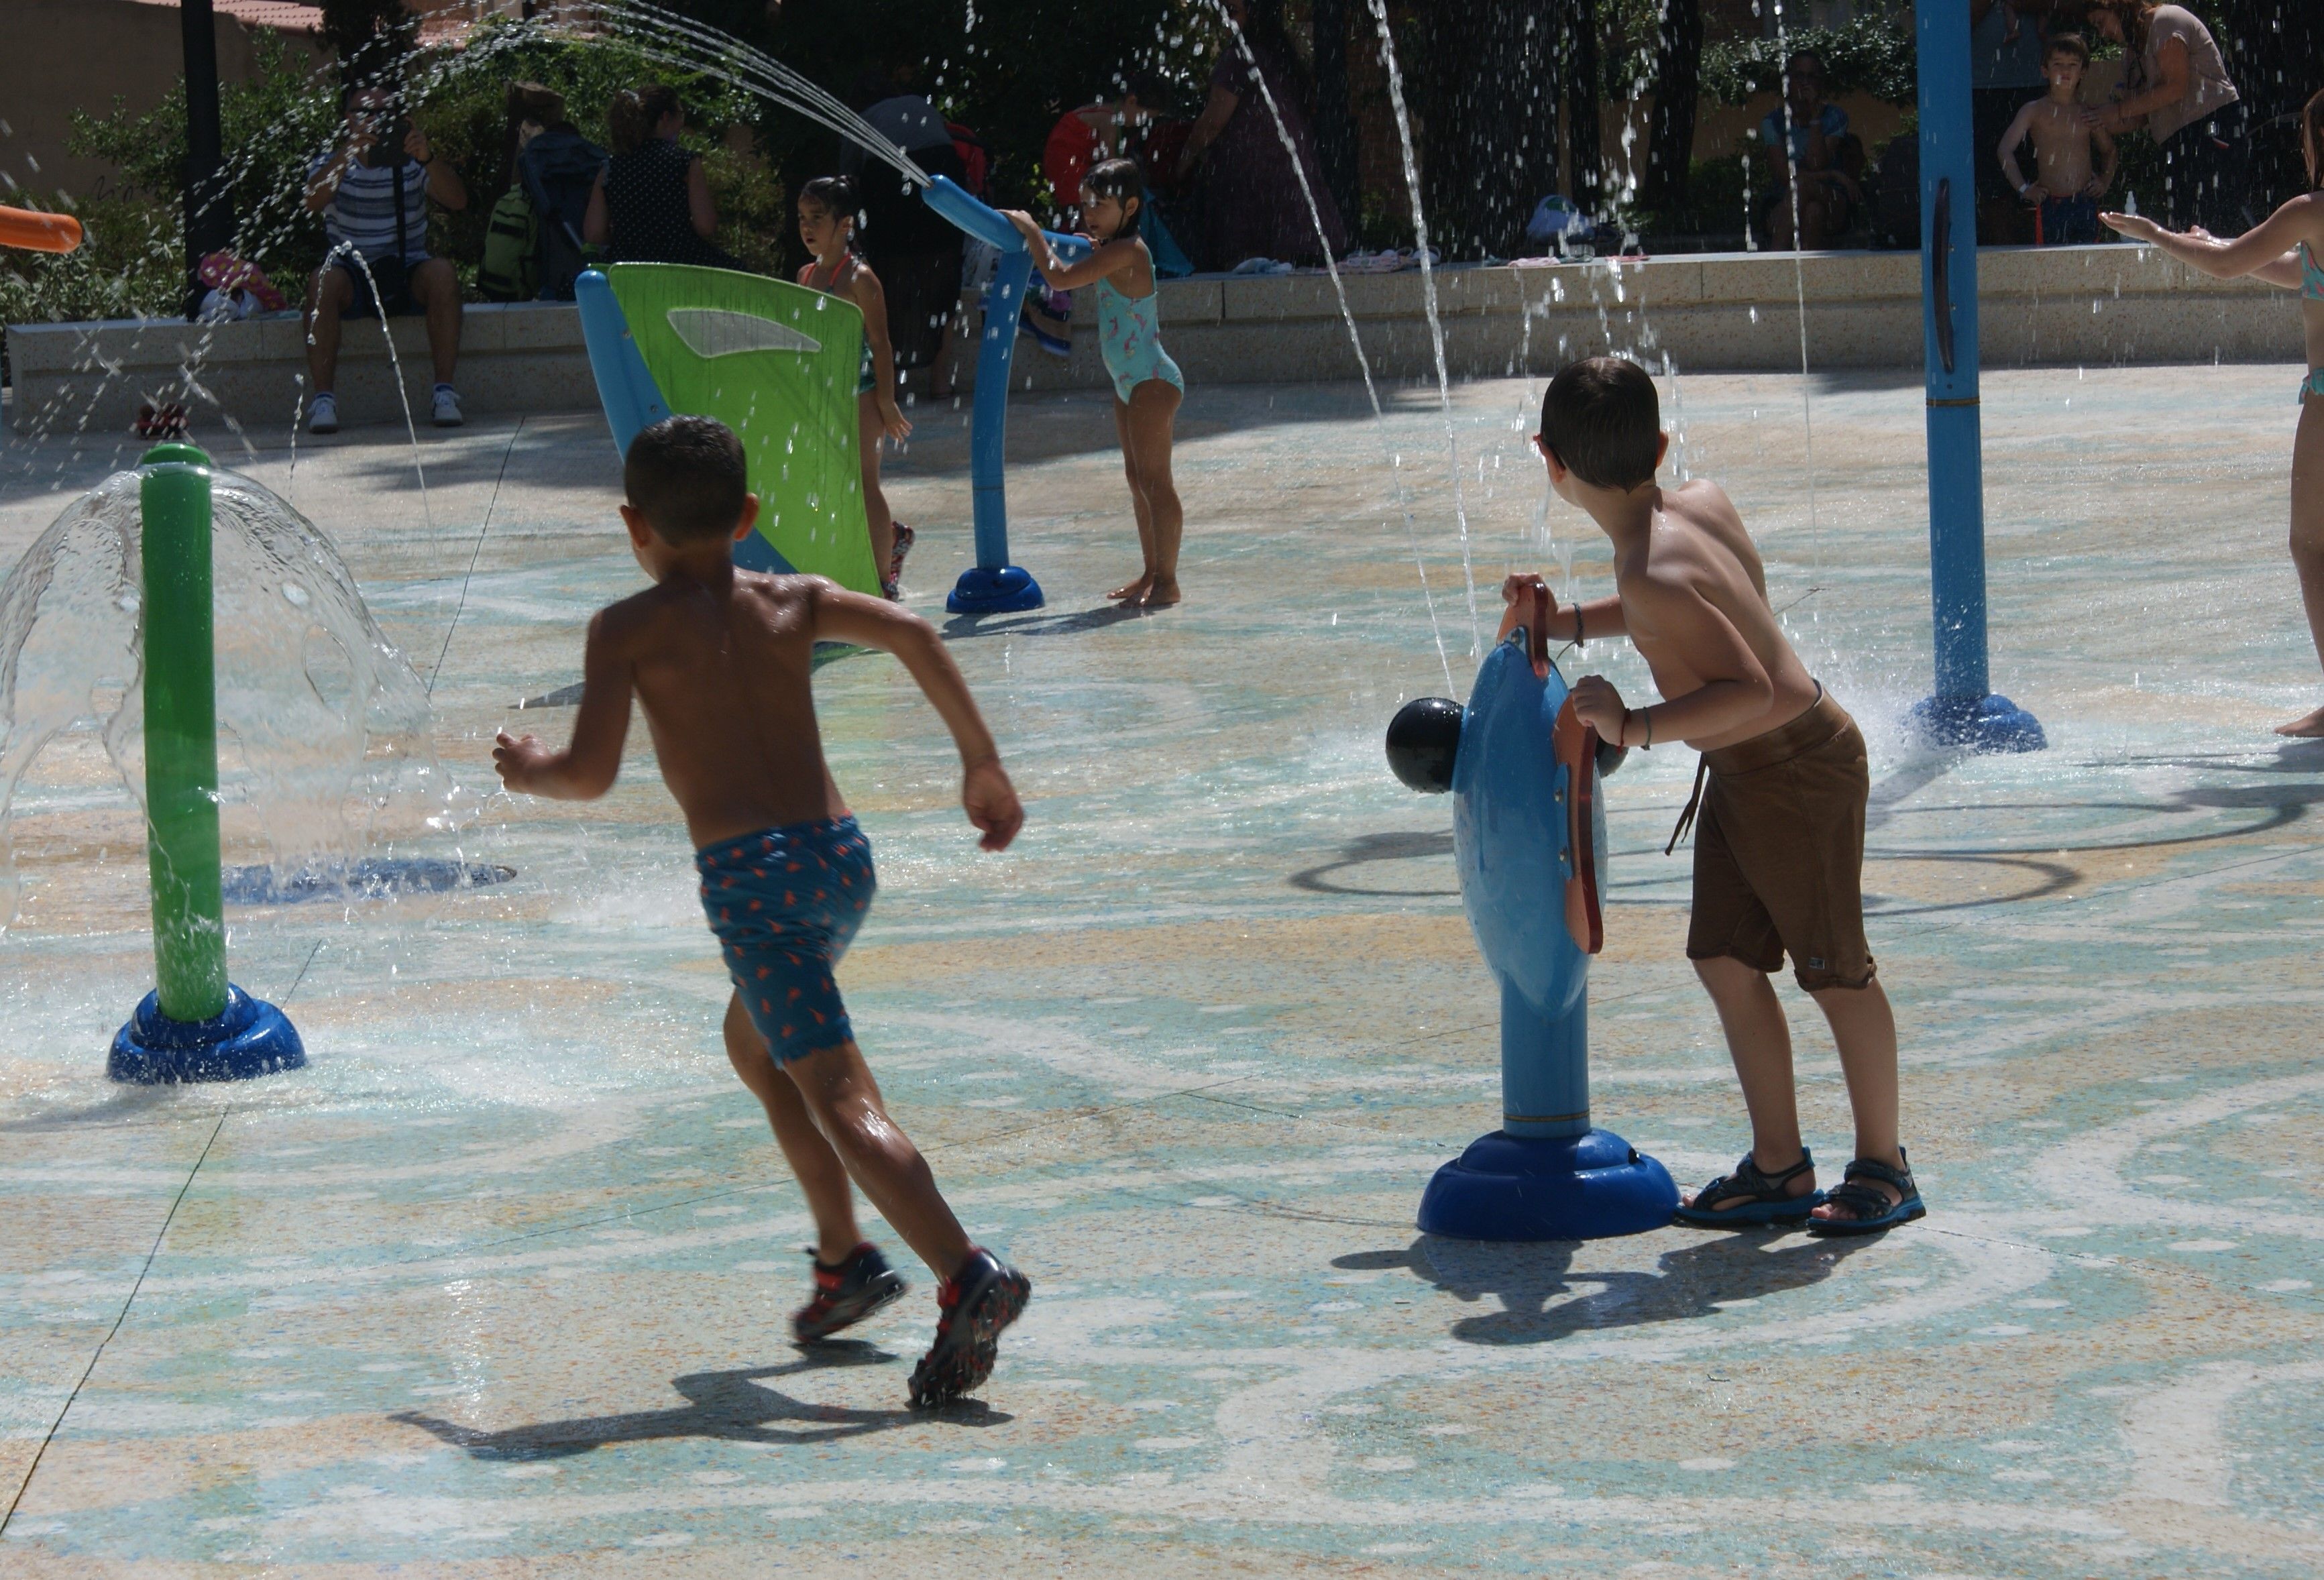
992, 802
1598, 704
2136, 227
515, 758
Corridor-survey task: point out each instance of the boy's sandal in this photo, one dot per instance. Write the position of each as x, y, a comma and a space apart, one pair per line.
1760, 1198
1870, 1210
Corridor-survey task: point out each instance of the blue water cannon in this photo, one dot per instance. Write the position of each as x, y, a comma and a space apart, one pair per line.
1529, 840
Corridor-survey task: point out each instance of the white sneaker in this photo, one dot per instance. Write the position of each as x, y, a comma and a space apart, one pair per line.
447, 407
323, 415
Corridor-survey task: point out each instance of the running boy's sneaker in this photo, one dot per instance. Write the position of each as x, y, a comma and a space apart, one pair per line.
974, 1305
323, 415
846, 1294
447, 407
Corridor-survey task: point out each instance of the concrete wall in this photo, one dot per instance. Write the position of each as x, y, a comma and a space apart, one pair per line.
1706, 313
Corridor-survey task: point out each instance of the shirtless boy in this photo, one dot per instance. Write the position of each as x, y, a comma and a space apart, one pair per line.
1779, 851
2067, 184
720, 658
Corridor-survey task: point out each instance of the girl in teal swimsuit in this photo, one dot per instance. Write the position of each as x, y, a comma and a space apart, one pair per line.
1147, 384
2286, 249
827, 208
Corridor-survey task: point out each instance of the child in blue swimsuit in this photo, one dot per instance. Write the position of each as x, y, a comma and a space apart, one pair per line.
1147, 384
2286, 249
719, 657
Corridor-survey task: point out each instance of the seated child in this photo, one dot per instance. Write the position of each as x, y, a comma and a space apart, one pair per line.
1779, 852
720, 659
2067, 184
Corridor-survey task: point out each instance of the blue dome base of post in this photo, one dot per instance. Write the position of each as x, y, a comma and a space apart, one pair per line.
250, 1037
1984, 724
1004, 590
1589, 1187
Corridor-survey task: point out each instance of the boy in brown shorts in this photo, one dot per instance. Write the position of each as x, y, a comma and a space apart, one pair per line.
1779, 849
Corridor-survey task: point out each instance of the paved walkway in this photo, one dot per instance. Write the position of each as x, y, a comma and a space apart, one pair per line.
497, 1287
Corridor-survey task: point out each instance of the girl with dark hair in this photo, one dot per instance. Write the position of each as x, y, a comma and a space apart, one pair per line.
828, 210
2286, 249
652, 203
2180, 90
1147, 384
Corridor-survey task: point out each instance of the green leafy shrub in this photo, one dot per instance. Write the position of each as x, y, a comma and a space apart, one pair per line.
1870, 55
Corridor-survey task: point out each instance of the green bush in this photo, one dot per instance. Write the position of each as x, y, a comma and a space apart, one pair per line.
128, 266
1869, 55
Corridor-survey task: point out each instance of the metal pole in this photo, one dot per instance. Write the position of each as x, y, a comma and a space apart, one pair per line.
1962, 710
209, 225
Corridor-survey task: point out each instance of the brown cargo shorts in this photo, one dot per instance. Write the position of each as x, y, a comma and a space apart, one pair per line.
1779, 851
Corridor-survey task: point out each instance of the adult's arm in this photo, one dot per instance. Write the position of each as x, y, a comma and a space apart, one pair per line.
2171, 64
699, 208
444, 183
596, 225
1217, 111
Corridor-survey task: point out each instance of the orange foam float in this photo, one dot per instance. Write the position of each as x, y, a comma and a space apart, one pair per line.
34, 232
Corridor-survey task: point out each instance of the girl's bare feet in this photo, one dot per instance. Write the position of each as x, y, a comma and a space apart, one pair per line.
1161, 592
1133, 591
2307, 727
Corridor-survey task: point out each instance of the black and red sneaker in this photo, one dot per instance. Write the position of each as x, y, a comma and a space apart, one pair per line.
846, 1294
973, 1306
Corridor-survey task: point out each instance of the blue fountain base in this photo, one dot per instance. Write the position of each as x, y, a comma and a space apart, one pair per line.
249, 1037
1004, 590
1507, 1186
1984, 724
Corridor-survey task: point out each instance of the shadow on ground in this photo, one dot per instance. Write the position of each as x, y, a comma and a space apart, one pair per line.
737, 1406
1541, 1304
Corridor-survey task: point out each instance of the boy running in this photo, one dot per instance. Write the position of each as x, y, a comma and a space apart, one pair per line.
2067, 181
1779, 851
720, 658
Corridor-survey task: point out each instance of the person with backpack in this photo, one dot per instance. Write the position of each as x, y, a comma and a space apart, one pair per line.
373, 190
558, 170
509, 269
651, 203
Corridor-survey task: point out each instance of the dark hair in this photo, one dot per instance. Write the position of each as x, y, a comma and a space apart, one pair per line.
1122, 180
2312, 122
530, 101
634, 112
840, 196
687, 476
2072, 45
1602, 420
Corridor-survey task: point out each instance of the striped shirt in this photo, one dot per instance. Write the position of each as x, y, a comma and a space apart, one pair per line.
361, 215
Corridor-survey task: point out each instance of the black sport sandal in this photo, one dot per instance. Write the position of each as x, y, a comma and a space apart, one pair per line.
846, 1294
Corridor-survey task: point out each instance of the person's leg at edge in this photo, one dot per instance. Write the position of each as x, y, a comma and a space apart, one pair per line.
875, 502
1865, 1028
1134, 591
2307, 541
1759, 1041
1153, 409
822, 1177
843, 1100
437, 289
326, 298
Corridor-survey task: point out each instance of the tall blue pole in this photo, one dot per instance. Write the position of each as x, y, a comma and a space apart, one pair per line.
1963, 709
993, 585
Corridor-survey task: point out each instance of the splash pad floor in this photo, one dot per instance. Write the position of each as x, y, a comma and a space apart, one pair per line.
498, 1286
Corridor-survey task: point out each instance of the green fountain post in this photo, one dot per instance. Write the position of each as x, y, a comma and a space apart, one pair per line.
195, 1026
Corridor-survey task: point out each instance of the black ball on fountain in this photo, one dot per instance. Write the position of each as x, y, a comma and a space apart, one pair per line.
1423, 740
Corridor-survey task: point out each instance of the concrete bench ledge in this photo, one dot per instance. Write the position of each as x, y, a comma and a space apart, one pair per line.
1736, 311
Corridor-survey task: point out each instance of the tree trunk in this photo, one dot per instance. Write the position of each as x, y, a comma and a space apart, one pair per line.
1335, 118
1584, 138
1678, 89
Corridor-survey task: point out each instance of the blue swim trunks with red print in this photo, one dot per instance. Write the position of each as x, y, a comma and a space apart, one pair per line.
785, 904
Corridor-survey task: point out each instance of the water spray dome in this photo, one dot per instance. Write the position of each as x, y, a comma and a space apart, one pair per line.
1529, 840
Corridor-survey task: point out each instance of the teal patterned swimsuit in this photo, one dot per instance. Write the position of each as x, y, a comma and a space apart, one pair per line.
1129, 338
